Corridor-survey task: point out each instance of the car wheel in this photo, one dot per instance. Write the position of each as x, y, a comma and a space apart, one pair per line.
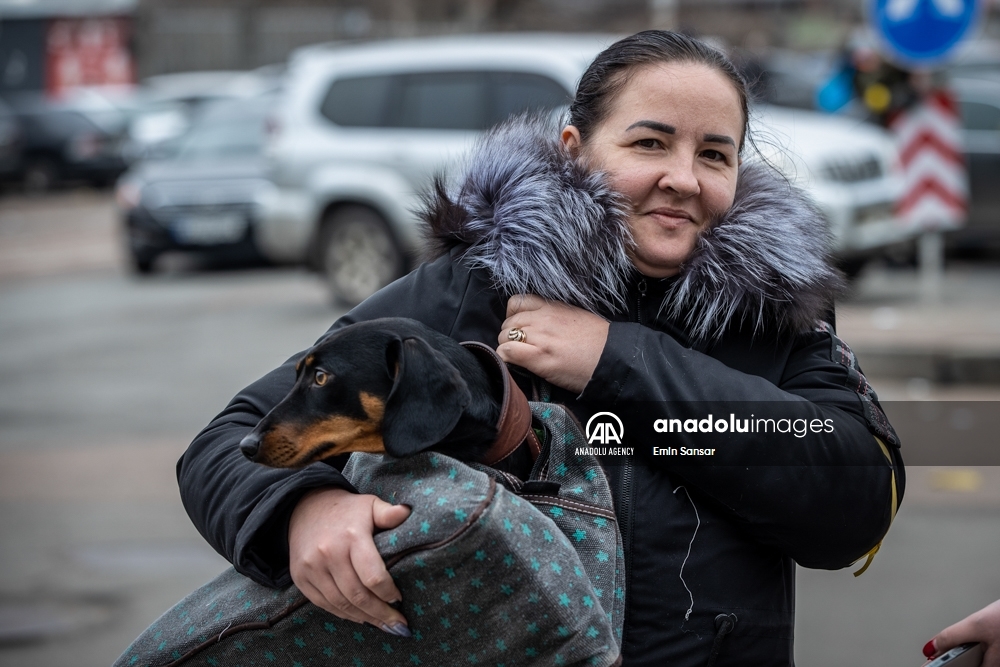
40, 175
142, 263
358, 254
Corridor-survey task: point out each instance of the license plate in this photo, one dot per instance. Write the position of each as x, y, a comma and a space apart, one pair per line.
210, 229
873, 213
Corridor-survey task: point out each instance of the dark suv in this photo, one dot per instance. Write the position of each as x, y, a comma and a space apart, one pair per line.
74, 140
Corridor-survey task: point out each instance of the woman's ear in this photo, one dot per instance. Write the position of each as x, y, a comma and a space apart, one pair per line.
571, 140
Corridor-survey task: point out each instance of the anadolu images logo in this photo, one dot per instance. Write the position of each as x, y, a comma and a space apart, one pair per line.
608, 429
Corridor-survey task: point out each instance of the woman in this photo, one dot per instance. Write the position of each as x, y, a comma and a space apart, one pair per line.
982, 626
630, 262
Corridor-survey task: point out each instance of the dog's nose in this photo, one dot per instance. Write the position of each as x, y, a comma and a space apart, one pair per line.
250, 445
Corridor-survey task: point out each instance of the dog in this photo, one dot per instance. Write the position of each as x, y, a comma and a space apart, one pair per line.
398, 387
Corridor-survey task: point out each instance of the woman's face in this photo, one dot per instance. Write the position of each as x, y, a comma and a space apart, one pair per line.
670, 144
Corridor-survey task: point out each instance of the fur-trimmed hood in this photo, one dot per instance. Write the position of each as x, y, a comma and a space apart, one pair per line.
541, 223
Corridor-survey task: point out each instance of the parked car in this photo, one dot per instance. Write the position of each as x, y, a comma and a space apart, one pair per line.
974, 76
77, 138
167, 104
203, 197
362, 129
849, 167
976, 57
979, 104
10, 143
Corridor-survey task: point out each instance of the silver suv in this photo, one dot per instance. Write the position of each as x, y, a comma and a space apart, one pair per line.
363, 129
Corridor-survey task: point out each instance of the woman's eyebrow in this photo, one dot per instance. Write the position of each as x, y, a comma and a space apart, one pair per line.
670, 129
719, 139
653, 125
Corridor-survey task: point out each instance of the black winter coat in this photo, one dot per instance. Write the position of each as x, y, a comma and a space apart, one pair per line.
742, 328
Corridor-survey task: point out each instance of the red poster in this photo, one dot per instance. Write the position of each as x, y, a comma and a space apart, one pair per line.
87, 52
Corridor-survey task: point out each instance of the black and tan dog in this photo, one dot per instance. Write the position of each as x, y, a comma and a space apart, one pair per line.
397, 386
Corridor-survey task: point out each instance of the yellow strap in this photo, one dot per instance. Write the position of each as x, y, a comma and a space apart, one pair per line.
871, 557
892, 514
895, 502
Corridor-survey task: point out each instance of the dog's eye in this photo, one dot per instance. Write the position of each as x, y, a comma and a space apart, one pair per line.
320, 378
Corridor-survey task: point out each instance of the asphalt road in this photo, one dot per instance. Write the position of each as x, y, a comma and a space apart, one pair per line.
104, 378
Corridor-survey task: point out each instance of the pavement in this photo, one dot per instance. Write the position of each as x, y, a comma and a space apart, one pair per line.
947, 336
105, 378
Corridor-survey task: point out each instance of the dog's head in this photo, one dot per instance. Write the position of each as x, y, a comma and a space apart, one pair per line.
389, 385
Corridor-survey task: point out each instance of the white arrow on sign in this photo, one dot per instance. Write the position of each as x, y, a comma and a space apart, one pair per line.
903, 10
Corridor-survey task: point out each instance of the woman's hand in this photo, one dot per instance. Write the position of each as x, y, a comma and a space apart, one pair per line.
333, 559
562, 343
982, 626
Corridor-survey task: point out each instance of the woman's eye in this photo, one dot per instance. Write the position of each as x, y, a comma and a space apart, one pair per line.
715, 156
320, 378
647, 143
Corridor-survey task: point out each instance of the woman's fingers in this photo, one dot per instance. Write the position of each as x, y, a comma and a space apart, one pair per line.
503, 338
524, 302
386, 515
370, 588
367, 561
982, 626
520, 354
346, 582
314, 580
333, 559
357, 601
327, 596
366, 558
562, 344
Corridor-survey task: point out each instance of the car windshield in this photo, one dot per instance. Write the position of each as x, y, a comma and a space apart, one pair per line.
240, 137
226, 129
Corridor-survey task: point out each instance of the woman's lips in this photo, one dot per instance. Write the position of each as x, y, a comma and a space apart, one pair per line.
670, 217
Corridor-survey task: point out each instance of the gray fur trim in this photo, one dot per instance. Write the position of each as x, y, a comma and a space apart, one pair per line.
541, 223
766, 261
536, 220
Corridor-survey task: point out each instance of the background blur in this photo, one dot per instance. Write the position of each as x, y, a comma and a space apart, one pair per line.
187, 200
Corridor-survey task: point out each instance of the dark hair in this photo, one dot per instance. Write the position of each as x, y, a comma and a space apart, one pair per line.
611, 69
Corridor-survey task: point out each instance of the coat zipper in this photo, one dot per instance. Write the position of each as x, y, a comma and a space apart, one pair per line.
640, 300
625, 525
625, 490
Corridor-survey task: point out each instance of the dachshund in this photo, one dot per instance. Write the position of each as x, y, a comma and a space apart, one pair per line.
396, 386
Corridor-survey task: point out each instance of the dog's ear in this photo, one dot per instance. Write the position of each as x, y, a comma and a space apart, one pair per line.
427, 398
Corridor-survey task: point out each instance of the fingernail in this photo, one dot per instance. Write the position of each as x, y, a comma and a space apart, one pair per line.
398, 629
929, 650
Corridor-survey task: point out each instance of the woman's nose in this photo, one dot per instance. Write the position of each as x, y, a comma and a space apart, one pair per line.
678, 175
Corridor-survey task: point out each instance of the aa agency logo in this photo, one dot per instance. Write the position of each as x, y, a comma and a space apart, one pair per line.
605, 428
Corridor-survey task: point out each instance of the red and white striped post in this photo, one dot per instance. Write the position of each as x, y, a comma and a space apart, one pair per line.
936, 191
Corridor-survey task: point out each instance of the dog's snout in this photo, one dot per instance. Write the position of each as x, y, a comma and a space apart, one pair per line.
250, 445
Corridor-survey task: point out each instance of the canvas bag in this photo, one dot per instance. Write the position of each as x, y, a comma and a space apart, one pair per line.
493, 572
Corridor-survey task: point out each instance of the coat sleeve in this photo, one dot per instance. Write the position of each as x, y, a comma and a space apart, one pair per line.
825, 498
243, 508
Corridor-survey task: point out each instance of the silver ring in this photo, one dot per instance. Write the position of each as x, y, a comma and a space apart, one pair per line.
516, 335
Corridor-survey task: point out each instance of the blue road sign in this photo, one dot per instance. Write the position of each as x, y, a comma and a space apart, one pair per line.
923, 32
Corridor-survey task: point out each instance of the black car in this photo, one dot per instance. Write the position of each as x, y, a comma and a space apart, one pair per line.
203, 196
78, 139
10, 143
